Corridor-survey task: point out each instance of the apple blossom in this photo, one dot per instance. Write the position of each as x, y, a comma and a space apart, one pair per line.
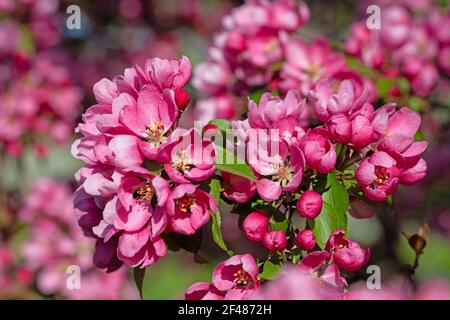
310, 204
255, 225
305, 240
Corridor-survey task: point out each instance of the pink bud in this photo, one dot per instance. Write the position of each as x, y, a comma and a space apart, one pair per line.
275, 241
310, 204
24, 276
362, 132
347, 253
340, 128
181, 98
305, 240
255, 225
210, 130
235, 42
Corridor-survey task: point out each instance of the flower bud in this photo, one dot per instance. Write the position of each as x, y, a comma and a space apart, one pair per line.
305, 240
320, 153
275, 241
362, 132
255, 225
235, 42
340, 128
347, 253
310, 204
181, 99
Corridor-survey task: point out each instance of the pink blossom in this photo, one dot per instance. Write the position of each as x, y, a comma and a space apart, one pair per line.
361, 127
399, 131
239, 189
255, 225
286, 287
320, 153
378, 176
317, 265
310, 204
347, 253
246, 49
187, 156
340, 128
234, 278
203, 291
443, 60
345, 101
285, 115
237, 275
222, 106
42, 101
397, 25
280, 170
189, 208
305, 240
56, 242
275, 240
305, 63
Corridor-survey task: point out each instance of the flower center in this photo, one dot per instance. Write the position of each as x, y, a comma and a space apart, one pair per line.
241, 277
341, 243
145, 192
185, 203
382, 175
182, 161
283, 172
314, 70
271, 46
155, 132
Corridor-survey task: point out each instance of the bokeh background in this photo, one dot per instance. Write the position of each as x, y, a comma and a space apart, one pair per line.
42, 60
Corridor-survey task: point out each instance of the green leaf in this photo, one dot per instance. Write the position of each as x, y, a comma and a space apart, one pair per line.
279, 224
355, 64
403, 84
334, 211
231, 164
216, 218
153, 166
255, 95
27, 44
222, 124
270, 271
416, 103
384, 85
138, 276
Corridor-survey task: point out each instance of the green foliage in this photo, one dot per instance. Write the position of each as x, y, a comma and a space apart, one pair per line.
231, 164
334, 211
383, 85
216, 218
270, 270
222, 124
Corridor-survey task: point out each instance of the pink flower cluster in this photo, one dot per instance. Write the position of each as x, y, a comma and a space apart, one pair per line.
232, 279
317, 277
245, 53
383, 138
238, 276
41, 104
258, 48
56, 243
286, 287
416, 47
133, 128
13, 277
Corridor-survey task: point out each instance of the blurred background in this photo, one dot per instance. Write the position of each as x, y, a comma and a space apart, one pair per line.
46, 76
